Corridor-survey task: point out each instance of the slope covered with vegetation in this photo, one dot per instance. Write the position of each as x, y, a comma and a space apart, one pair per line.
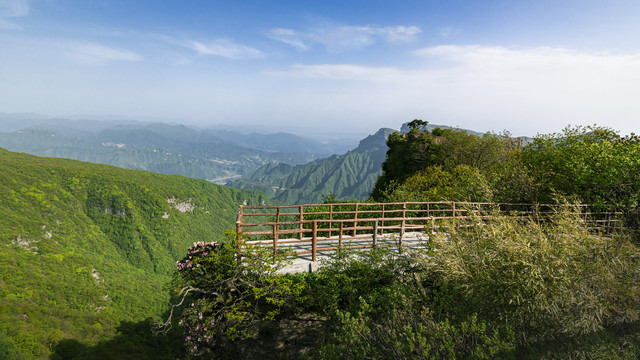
85, 247
348, 176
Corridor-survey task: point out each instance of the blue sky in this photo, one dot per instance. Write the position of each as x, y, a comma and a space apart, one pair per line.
326, 66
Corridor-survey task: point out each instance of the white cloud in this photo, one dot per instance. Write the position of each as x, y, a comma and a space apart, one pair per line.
225, 48
340, 72
343, 38
290, 37
399, 33
534, 89
338, 38
98, 54
543, 66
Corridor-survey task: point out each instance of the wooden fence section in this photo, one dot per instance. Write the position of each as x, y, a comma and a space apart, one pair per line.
341, 226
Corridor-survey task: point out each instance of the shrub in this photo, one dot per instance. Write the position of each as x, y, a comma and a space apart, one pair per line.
227, 299
549, 281
463, 183
379, 308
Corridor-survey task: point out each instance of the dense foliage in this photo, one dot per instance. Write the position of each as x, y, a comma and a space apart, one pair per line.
503, 290
85, 247
506, 289
450, 152
593, 165
596, 164
228, 299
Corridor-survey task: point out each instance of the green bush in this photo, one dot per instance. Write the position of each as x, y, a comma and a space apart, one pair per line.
593, 163
463, 183
229, 300
379, 308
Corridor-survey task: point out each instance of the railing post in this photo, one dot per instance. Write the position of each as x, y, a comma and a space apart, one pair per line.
340, 238
239, 233
404, 218
355, 223
400, 245
453, 213
300, 225
375, 234
314, 240
275, 241
428, 216
330, 218
382, 225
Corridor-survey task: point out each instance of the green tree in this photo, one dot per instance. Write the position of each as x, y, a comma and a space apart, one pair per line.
468, 159
463, 183
407, 154
592, 163
418, 124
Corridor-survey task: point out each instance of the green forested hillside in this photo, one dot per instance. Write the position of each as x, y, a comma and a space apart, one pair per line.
348, 176
85, 247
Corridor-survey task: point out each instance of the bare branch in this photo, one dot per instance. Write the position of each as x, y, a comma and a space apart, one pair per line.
163, 328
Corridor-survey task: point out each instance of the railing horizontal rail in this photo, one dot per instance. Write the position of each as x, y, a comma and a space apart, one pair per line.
344, 222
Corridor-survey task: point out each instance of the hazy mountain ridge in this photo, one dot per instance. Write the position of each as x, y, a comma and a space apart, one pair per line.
84, 246
348, 176
171, 149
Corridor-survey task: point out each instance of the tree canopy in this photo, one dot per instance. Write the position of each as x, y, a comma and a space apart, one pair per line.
591, 164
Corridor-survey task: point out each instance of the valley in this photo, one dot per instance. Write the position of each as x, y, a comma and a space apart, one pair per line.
214, 155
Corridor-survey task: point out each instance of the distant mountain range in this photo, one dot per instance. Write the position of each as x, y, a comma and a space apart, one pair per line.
215, 155
288, 168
